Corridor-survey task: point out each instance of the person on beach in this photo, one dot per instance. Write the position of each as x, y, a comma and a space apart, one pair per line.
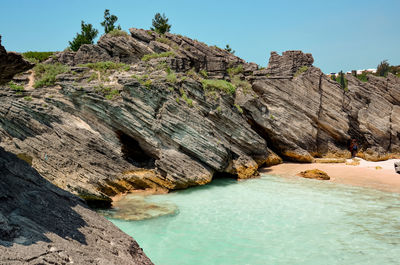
353, 148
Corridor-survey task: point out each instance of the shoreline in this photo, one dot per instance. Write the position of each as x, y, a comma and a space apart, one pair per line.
376, 175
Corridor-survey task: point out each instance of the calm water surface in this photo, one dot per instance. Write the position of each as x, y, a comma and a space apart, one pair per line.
270, 220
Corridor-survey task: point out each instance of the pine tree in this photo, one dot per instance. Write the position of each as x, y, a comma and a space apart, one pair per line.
342, 80
229, 49
109, 21
160, 24
87, 35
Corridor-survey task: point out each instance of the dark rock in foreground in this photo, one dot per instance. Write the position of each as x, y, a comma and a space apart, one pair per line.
11, 64
314, 174
397, 167
43, 224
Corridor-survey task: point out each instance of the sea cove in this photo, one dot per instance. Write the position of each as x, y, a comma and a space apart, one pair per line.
272, 220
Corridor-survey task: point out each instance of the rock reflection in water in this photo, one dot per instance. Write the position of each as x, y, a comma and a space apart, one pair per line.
136, 207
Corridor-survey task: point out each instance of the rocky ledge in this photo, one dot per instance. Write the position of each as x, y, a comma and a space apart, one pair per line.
11, 64
164, 112
43, 224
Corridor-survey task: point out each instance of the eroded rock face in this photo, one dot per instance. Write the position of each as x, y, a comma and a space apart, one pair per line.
43, 224
155, 125
11, 64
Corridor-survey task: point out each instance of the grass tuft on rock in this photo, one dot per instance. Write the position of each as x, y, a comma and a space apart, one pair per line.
45, 74
118, 33
301, 70
216, 84
148, 57
107, 65
36, 57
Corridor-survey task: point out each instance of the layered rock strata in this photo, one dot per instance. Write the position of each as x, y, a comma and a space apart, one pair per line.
173, 113
43, 224
11, 64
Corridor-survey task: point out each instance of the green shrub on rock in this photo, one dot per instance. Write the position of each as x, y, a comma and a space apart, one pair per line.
148, 57
36, 57
45, 74
216, 84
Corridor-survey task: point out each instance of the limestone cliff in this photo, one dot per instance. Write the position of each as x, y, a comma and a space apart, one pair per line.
167, 112
43, 224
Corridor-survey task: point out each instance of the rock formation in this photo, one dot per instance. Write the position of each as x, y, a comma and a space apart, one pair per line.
397, 167
43, 224
11, 64
314, 174
171, 112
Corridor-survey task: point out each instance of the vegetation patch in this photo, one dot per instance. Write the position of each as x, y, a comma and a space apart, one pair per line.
203, 73
45, 74
301, 70
185, 98
28, 98
216, 84
107, 92
36, 57
148, 57
239, 108
118, 33
363, 76
235, 70
244, 84
171, 77
17, 88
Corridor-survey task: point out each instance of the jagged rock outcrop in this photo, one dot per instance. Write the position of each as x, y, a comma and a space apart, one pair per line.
185, 53
43, 224
182, 113
11, 64
305, 114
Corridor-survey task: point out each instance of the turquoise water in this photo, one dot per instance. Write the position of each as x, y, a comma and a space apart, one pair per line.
272, 220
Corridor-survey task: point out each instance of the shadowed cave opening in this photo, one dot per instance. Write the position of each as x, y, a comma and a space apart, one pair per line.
133, 152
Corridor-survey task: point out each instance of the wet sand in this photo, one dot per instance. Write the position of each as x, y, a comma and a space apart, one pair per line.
365, 175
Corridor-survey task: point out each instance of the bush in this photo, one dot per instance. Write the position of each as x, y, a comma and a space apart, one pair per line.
222, 85
45, 74
87, 36
148, 57
383, 68
37, 57
363, 76
235, 70
160, 24
203, 73
117, 33
301, 70
239, 108
15, 87
28, 98
244, 84
171, 78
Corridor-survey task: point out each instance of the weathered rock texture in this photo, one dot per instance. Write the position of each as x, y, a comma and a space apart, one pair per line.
43, 224
314, 174
11, 64
397, 167
159, 124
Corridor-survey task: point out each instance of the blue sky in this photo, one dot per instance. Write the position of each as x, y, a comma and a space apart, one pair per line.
341, 35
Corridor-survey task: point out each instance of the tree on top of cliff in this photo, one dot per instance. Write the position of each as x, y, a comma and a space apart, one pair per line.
109, 21
383, 68
87, 35
229, 49
160, 24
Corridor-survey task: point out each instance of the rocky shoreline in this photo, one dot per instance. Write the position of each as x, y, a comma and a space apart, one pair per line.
167, 112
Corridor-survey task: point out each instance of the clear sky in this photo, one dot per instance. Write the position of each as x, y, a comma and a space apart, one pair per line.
340, 34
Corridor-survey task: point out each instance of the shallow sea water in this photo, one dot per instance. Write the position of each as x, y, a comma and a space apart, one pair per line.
272, 220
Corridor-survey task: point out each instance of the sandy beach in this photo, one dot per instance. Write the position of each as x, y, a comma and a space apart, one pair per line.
378, 175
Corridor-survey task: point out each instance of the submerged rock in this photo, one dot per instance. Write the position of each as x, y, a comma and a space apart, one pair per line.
314, 174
